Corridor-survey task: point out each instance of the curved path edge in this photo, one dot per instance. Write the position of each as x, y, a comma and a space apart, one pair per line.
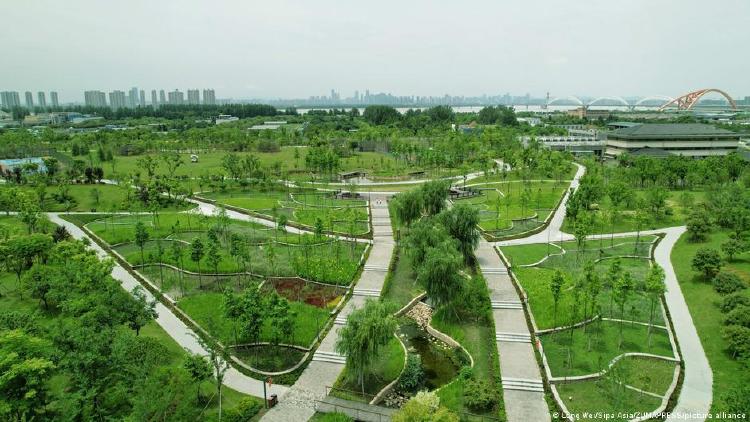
168, 321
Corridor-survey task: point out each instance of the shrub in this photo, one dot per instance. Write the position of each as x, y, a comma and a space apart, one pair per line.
726, 282
738, 339
244, 411
424, 407
739, 316
734, 300
707, 261
413, 376
479, 395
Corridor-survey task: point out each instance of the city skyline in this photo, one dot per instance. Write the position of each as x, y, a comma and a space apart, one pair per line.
295, 50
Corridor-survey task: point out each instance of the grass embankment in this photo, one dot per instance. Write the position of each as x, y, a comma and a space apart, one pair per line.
708, 318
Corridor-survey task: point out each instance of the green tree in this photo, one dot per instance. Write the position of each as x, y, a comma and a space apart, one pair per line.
141, 311
461, 223
141, 238
622, 291
26, 367
555, 286
732, 247
367, 331
655, 288
698, 225
196, 254
198, 368
440, 274
166, 395
707, 261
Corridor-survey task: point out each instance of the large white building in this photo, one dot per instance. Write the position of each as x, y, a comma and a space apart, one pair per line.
176, 97
10, 99
117, 100
95, 99
29, 100
193, 96
688, 139
209, 96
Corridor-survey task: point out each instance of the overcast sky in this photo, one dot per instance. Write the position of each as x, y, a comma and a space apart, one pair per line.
294, 49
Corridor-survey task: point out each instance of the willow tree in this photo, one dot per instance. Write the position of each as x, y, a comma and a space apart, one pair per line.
367, 331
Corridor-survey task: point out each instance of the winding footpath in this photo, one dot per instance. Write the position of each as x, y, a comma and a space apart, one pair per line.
298, 403
181, 333
694, 401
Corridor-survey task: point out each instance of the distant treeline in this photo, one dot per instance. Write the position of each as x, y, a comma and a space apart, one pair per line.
168, 111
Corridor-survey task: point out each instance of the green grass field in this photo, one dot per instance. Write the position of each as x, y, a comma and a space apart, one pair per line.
702, 301
536, 280
607, 395
626, 222
97, 197
501, 203
591, 351
205, 309
340, 215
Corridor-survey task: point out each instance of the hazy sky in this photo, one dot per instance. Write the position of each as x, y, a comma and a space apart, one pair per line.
277, 48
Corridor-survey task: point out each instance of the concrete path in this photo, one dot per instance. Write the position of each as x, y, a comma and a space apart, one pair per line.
298, 404
696, 395
523, 389
176, 329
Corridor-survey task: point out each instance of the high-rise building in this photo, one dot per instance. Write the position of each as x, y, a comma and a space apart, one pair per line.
29, 100
162, 97
117, 100
193, 96
176, 97
142, 98
209, 97
53, 98
41, 99
154, 101
132, 97
95, 99
10, 99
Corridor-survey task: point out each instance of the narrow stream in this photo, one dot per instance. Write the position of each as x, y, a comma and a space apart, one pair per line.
440, 362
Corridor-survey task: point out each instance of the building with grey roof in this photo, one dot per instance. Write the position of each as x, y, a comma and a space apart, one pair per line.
688, 139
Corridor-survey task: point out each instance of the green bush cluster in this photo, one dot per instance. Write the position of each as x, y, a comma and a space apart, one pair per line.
478, 395
413, 376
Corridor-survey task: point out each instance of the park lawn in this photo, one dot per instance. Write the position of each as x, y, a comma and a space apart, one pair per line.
401, 286
542, 198
206, 310
385, 368
536, 280
110, 197
515, 176
588, 398
652, 375
703, 303
604, 338
345, 216
625, 221
529, 254
11, 300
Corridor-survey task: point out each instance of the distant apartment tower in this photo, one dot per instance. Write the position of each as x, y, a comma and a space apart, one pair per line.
95, 99
29, 100
10, 99
193, 96
132, 97
176, 97
53, 98
117, 100
209, 96
154, 101
162, 97
41, 99
142, 98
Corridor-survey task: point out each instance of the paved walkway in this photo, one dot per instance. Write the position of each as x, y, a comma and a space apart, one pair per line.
523, 389
176, 329
298, 404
